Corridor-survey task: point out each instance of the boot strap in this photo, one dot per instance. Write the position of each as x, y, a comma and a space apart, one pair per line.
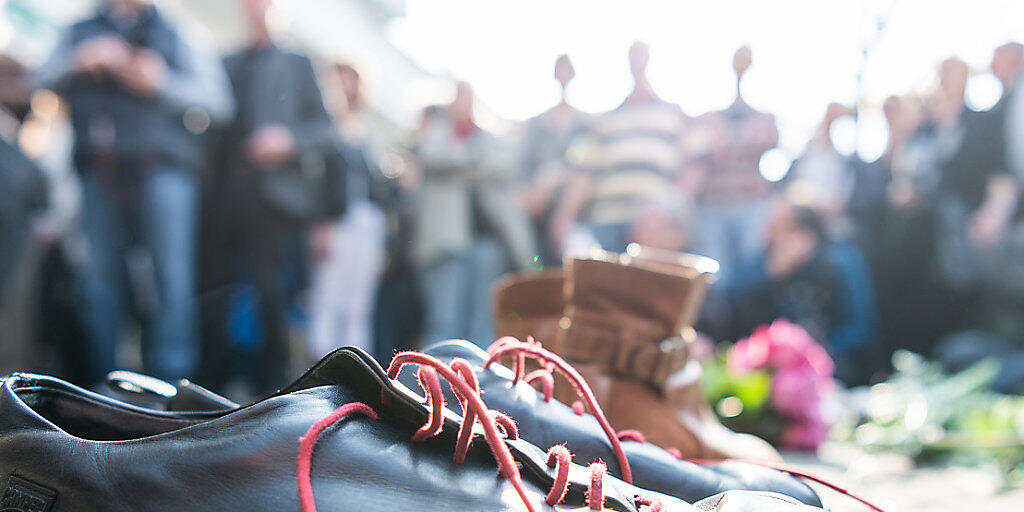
633, 349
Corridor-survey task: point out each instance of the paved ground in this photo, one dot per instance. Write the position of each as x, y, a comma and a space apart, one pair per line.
894, 484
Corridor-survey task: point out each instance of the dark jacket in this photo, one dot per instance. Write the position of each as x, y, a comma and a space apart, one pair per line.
22, 192
830, 295
116, 126
272, 86
341, 164
980, 155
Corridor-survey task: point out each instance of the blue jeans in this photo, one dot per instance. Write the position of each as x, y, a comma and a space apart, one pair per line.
159, 226
457, 293
731, 234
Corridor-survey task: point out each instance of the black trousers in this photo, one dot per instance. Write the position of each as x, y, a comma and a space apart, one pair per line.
242, 242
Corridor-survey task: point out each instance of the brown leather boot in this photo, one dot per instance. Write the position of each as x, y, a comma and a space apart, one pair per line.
626, 329
529, 304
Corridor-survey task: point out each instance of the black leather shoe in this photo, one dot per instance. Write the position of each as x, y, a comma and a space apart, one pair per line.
544, 422
341, 438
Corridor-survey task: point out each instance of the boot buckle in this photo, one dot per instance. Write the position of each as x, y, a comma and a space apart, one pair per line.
672, 357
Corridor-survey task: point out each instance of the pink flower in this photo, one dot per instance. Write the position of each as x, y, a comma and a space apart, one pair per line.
779, 345
801, 375
796, 392
792, 345
750, 353
804, 436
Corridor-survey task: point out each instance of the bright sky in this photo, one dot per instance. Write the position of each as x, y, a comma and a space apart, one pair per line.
806, 52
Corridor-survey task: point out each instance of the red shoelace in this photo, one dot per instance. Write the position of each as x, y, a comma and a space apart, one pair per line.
463, 381
550, 362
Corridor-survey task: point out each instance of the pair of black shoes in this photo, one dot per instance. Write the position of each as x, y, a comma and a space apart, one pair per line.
348, 436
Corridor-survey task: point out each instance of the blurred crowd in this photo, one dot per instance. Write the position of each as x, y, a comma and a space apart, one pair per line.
240, 217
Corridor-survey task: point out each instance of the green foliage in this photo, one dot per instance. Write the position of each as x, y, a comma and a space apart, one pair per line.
934, 417
752, 389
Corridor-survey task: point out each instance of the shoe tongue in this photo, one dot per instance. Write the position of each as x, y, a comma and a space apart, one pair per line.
352, 365
346, 365
353, 368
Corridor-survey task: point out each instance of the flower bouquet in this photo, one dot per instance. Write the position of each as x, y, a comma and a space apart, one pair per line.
774, 384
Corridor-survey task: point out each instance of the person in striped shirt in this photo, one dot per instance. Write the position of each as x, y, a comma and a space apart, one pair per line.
635, 155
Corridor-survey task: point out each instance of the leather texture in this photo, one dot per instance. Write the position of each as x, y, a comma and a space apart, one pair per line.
548, 423
623, 320
64, 449
529, 304
99, 454
622, 308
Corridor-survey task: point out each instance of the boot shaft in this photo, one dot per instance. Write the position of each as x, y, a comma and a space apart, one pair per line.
530, 304
632, 313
